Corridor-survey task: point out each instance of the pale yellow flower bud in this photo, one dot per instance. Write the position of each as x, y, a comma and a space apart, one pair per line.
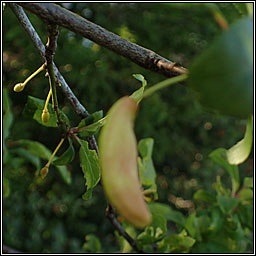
19, 87
45, 116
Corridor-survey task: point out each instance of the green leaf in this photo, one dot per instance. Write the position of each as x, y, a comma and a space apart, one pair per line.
6, 187
7, 122
155, 231
248, 182
89, 163
219, 187
141, 79
161, 208
92, 118
227, 204
245, 214
34, 108
180, 243
217, 220
38, 149
91, 129
8, 116
240, 151
64, 173
35, 160
203, 223
219, 83
220, 156
246, 194
138, 94
234, 230
219, 246
92, 244
146, 168
241, 8
159, 223
205, 196
197, 225
66, 157
192, 226
167, 212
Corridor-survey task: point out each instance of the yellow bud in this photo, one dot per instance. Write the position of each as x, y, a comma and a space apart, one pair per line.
44, 171
45, 116
19, 87
118, 160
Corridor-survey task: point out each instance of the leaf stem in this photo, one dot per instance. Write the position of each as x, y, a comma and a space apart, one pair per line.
164, 84
75, 137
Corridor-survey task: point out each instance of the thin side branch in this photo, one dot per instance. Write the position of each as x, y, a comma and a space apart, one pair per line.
146, 58
49, 55
110, 214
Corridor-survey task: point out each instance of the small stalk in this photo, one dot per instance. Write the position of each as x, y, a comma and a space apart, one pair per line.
45, 113
54, 95
45, 169
164, 84
52, 85
20, 86
75, 137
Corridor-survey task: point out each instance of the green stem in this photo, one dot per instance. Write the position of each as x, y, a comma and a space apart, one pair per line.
52, 84
164, 84
76, 138
54, 94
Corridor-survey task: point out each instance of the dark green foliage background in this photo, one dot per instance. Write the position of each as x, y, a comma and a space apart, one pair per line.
51, 216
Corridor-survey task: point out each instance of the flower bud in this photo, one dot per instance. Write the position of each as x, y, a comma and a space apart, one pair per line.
19, 87
44, 171
45, 116
118, 160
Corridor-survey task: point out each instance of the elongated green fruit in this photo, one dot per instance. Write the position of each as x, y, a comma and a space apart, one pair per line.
118, 159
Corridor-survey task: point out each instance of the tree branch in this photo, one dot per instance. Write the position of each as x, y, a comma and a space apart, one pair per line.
31, 32
49, 55
77, 106
110, 213
72, 99
148, 59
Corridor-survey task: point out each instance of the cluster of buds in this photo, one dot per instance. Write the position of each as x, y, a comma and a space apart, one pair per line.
20, 86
